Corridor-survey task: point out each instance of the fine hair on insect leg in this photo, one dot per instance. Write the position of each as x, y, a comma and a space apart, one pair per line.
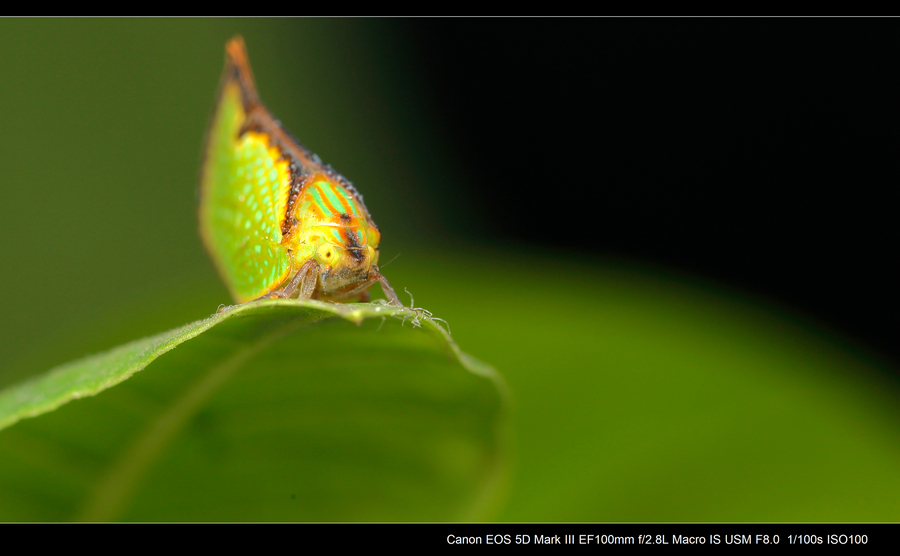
419, 311
414, 321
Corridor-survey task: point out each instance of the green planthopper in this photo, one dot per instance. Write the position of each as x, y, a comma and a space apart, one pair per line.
277, 221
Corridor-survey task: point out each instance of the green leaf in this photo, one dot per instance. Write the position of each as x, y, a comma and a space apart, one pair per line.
275, 410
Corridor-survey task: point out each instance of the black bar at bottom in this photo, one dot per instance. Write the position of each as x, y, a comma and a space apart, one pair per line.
651, 537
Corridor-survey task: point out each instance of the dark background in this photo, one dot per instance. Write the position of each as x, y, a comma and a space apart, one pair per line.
758, 153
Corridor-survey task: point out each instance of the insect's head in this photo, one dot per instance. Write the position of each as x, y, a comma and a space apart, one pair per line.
337, 232
344, 254
334, 256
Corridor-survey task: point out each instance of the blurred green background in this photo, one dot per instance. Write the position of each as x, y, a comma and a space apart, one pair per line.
639, 394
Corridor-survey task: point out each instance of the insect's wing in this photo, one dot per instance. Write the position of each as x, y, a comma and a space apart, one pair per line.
245, 184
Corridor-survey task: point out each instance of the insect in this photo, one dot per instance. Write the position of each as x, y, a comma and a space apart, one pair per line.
277, 221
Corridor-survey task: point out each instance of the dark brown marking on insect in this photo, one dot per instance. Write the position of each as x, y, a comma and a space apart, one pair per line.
345, 218
298, 180
351, 242
259, 119
356, 254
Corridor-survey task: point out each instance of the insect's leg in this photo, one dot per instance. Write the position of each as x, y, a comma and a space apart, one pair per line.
310, 279
361, 289
388, 290
287, 291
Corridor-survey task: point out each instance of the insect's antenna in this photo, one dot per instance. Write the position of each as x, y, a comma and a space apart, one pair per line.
389, 262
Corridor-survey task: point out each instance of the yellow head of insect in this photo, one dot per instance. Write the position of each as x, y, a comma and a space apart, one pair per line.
336, 257
344, 256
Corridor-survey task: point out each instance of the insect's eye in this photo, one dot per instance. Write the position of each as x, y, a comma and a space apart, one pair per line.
327, 253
